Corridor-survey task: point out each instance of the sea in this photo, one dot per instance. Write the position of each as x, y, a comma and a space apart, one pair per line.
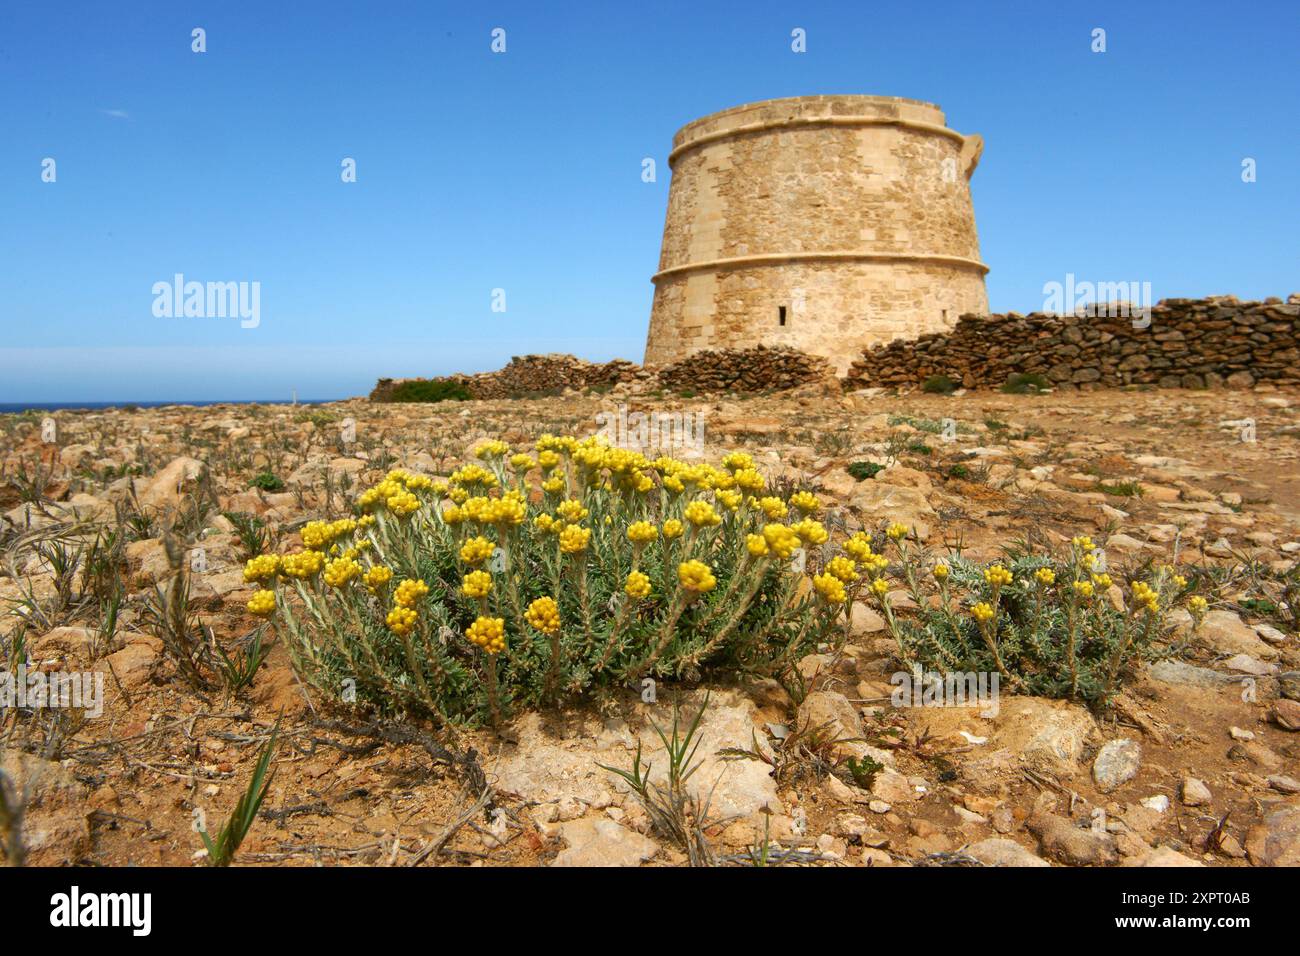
9, 408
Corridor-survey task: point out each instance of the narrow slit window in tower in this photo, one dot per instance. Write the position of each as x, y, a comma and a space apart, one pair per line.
780, 316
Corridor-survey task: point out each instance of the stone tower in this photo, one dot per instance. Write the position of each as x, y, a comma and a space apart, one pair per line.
826, 223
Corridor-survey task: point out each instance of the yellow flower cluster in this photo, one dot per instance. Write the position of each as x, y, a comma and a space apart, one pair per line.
858, 547
377, 577
493, 448
488, 633
774, 508
303, 565
781, 540
1143, 594
403, 504
471, 476
806, 502
340, 571
401, 620
319, 535
997, 575
842, 568
897, 531
261, 568
830, 587
696, 576
1045, 576
544, 614
573, 540
1083, 589
641, 532
672, 529
701, 514
638, 585
571, 511
409, 593
262, 603
506, 510
737, 461
982, 612
811, 531
940, 572
477, 584
476, 550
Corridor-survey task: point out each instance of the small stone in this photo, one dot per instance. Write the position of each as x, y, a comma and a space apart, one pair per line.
1195, 792
879, 806
1116, 763
1163, 857
1003, 852
1275, 841
1287, 714
1284, 783
1239, 733
1158, 803
598, 841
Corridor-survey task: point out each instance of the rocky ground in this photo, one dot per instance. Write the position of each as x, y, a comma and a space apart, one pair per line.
1196, 764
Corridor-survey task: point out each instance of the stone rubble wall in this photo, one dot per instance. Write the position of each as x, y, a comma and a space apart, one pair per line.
1190, 343
726, 370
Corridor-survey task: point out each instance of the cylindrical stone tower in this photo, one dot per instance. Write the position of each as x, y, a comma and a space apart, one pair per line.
826, 223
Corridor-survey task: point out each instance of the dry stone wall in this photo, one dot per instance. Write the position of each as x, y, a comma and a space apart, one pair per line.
1189, 343
726, 370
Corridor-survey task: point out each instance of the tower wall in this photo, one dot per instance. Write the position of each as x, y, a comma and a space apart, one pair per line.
850, 216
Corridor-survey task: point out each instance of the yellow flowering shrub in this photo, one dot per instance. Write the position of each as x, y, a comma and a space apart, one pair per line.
1043, 623
532, 575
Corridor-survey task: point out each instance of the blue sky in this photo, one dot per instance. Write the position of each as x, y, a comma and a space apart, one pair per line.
521, 171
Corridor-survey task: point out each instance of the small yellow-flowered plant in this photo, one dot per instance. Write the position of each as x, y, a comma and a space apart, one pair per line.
672, 528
